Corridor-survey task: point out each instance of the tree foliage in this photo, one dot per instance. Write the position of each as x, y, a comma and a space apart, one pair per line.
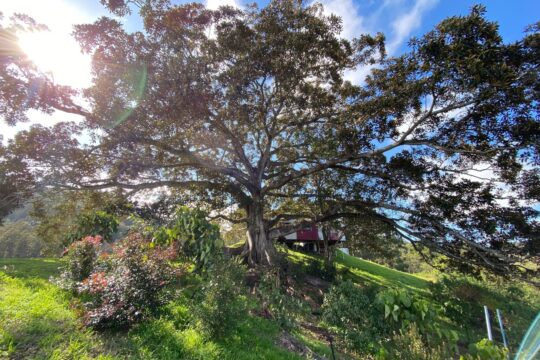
94, 223
19, 240
247, 107
63, 217
16, 181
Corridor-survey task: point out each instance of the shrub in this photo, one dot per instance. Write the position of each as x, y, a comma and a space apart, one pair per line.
78, 261
283, 308
128, 285
325, 270
485, 350
461, 300
220, 303
350, 312
92, 224
196, 236
403, 309
408, 344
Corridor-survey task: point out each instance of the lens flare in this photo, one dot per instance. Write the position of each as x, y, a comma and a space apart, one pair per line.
530, 345
135, 82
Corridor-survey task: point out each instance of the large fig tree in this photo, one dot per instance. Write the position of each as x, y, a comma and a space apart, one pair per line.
247, 107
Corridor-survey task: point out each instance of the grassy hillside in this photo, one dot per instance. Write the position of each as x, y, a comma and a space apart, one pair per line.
363, 270
39, 321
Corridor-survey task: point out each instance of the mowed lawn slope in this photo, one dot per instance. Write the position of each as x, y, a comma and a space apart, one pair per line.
364, 270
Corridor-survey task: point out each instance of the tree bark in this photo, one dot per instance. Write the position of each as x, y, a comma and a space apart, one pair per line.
325, 233
259, 247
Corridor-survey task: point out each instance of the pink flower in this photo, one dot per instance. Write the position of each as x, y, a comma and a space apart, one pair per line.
94, 240
97, 282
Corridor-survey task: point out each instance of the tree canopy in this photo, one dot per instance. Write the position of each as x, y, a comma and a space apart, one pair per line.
16, 182
250, 107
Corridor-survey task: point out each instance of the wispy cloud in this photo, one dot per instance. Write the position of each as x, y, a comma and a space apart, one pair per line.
407, 22
350, 13
397, 19
215, 4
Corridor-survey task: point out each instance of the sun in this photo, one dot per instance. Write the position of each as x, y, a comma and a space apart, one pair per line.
59, 55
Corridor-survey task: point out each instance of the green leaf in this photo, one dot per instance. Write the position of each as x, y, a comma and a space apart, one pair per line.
405, 299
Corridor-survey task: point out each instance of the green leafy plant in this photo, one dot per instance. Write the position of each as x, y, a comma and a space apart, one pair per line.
220, 304
404, 308
7, 345
351, 314
196, 236
324, 269
94, 223
408, 344
485, 350
79, 260
461, 300
282, 307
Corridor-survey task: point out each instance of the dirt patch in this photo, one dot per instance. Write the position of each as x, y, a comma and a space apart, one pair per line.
290, 343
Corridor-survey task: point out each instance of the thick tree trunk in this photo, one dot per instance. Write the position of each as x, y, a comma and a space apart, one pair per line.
259, 246
325, 242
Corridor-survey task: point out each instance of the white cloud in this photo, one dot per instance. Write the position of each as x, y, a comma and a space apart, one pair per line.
353, 25
215, 4
358, 75
407, 22
349, 12
395, 18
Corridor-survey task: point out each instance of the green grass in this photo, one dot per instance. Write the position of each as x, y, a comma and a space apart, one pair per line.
41, 268
379, 274
366, 271
38, 321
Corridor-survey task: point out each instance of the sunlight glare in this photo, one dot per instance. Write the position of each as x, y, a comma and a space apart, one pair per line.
58, 54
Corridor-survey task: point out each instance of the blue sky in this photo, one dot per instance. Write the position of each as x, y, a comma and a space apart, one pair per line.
385, 16
399, 20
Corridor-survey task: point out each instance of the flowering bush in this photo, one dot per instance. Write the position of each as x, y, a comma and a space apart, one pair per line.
79, 260
128, 284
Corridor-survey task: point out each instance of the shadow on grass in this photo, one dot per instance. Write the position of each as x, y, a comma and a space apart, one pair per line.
254, 338
382, 274
359, 270
35, 319
41, 268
